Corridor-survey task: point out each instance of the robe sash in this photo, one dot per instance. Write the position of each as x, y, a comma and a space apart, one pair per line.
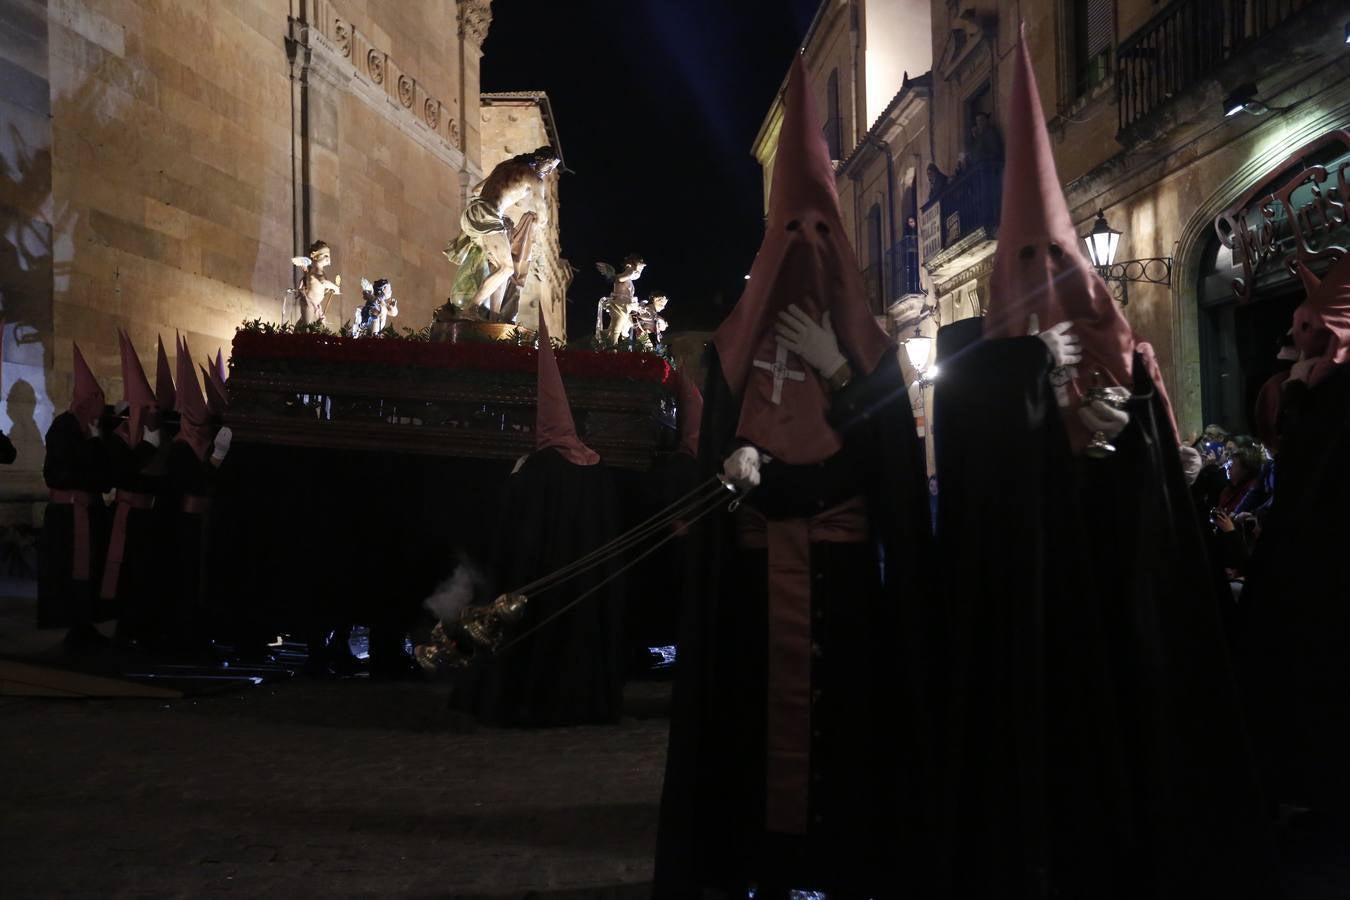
790, 648
117, 542
82, 556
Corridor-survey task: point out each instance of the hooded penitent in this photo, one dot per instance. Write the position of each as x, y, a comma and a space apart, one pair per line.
87, 403
805, 259
141, 401
1038, 267
216, 397
195, 419
164, 394
1322, 322
553, 424
689, 416
218, 371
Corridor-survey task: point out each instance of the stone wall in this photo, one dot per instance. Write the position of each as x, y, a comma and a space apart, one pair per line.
193, 148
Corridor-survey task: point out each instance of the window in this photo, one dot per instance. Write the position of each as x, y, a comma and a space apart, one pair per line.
1091, 29
834, 123
872, 275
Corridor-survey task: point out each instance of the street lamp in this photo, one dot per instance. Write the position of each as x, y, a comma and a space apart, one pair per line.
1102, 242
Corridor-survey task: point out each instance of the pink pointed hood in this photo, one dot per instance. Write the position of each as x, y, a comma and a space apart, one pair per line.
804, 259
87, 403
1038, 265
164, 392
553, 424
141, 407
1322, 322
217, 399
194, 419
689, 416
218, 370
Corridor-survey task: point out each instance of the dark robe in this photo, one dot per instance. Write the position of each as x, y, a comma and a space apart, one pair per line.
189, 488
1093, 742
1296, 669
136, 470
7, 451
75, 461
570, 672
864, 721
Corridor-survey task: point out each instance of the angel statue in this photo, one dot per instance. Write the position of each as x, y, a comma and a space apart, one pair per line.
379, 306
493, 252
308, 301
650, 327
621, 303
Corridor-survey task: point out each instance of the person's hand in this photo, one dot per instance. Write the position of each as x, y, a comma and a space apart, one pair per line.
1302, 369
1097, 416
1060, 340
741, 468
1191, 463
814, 343
94, 430
150, 436
1224, 522
221, 445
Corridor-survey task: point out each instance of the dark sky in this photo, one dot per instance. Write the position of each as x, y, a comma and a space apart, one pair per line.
657, 103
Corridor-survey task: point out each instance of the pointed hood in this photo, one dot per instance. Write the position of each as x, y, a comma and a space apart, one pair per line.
141, 406
194, 418
1322, 322
688, 416
805, 258
164, 394
87, 403
217, 399
218, 369
553, 424
1038, 265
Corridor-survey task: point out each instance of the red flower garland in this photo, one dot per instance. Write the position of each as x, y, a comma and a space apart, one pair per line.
484, 357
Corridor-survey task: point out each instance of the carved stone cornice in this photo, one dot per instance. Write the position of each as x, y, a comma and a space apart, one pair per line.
331, 51
475, 17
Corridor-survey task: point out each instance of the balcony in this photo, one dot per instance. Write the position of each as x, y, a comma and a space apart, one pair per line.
1187, 43
902, 267
958, 226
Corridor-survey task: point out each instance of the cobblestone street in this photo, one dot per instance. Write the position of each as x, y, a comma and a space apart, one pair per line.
315, 788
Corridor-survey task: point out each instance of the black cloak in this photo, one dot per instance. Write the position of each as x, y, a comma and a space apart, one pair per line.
75, 461
1093, 742
867, 721
570, 672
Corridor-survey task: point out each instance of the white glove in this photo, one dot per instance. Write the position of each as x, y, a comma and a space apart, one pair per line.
742, 468
519, 463
1062, 343
150, 436
94, 430
814, 343
222, 443
1302, 369
1097, 416
1191, 463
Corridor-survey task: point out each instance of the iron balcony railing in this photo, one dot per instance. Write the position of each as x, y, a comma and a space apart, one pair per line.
902, 265
1185, 43
970, 201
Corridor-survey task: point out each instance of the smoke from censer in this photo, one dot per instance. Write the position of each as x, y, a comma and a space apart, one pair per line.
466, 584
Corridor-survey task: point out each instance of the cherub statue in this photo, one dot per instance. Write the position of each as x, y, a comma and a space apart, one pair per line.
621, 304
373, 316
491, 249
647, 320
308, 301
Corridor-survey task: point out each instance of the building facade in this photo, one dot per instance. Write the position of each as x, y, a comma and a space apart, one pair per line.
1210, 133
163, 161
515, 123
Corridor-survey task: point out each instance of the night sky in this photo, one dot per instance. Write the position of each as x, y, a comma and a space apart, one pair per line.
657, 103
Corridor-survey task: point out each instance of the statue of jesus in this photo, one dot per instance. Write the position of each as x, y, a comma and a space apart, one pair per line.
487, 237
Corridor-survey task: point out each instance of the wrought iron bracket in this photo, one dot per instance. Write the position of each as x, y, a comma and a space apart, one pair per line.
1152, 270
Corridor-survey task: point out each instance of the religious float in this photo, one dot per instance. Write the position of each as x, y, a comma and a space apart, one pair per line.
472, 398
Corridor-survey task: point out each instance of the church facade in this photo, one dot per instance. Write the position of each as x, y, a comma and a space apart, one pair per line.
1174, 120
163, 161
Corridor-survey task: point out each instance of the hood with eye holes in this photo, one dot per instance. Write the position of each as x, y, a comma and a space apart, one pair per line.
805, 257
1038, 266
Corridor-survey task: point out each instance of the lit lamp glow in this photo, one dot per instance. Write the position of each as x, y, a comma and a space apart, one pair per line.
1102, 242
916, 349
